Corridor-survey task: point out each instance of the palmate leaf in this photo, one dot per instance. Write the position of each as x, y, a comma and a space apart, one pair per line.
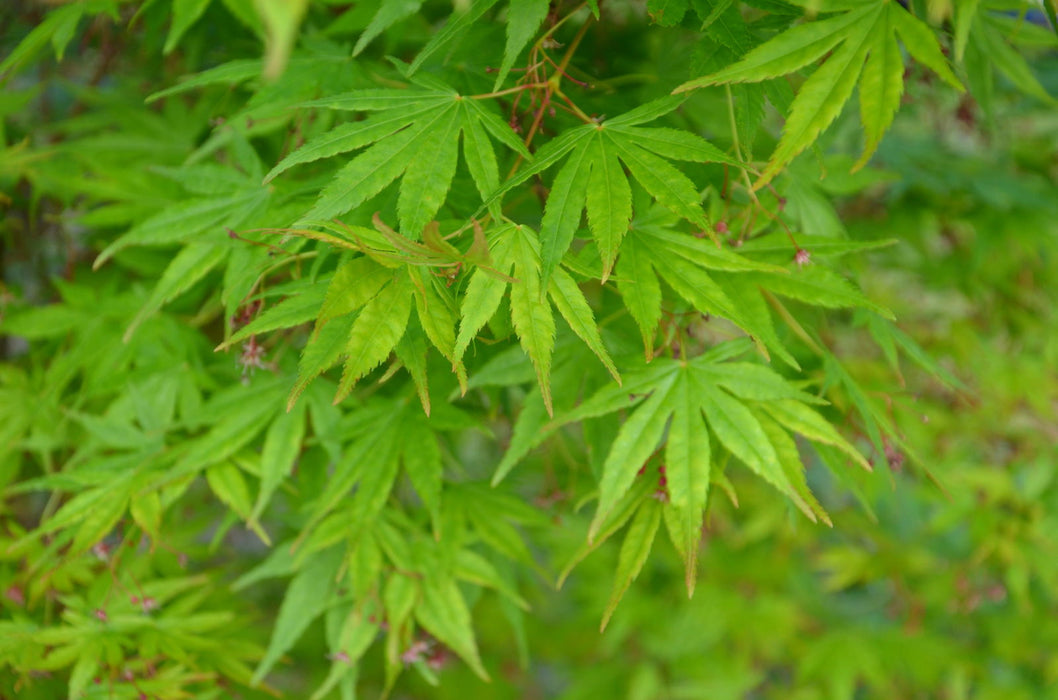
413, 133
862, 45
653, 251
389, 13
634, 551
593, 178
523, 20
516, 250
673, 401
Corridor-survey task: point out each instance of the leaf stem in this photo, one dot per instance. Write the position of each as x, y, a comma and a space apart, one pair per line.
508, 91
745, 173
792, 322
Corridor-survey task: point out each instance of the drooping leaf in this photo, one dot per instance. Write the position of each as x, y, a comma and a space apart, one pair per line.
861, 42
634, 551
523, 20
306, 598
375, 332
281, 447
389, 13
608, 202
185, 14
533, 320
456, 25
635, 442
570, 302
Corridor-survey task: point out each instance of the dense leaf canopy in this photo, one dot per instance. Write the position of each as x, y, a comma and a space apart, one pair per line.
395, 347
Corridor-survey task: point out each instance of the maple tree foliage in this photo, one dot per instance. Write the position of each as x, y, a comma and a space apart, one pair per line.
430, 287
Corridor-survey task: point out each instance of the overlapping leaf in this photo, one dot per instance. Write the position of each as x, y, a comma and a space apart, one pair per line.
515, 251
654, 250
861, 41
413, 134
593, 178
674, 402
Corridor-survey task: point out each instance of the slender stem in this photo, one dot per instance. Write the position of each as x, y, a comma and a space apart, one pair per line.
745, 173
508, 91
796, 327
570, 51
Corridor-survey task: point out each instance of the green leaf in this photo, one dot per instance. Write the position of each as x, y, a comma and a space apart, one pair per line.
189, 266
697, 287
667, 13
282, 445
101, 519
1051, 10
421, 456
375, 332
822, 97
372, 100
456, 25
635, 442
485, 290
389, 13
789, 51
665, 183
295, 310
1008, 61
965, 14
354, 284
533, 320
229, 486
497, 128
82, 673
687, 467
698, 251
531, 428
819, 286
146, 511
476, 569
523, 20
746, 297
754, 382
740, 432
640, 291
429, 174
353, 135
226, 437
479, 156
321, 354
634, 551
411, 351
281, 21
187, 219
626, 508
881, 88
435, 308
648, 112
57, 22
673, 143
570, 302
608, 202
551, 153
562, 212
443, 613
922, 44
367, 174
790, 459
306, 598
230, 73
185, 14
